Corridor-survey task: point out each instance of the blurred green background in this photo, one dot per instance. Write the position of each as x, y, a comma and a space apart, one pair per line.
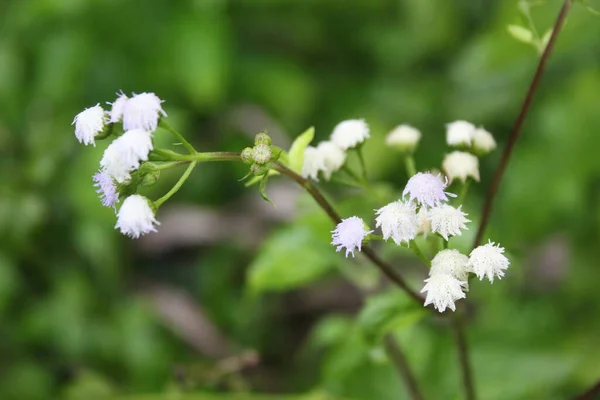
235, 296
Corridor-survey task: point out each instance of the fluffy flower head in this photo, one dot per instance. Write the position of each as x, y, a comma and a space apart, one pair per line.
450, 262
447, 220
399, 221
488, 261
483, 141
107, 189
88, 124
350, 133
333, 158
313, 163
427, 189
442, 291
142, 111
118, 107
404, 137
459, 133
461, 165
135, 217
349, 234
125, 153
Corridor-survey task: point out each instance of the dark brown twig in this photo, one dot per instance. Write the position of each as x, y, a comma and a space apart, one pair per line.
463, 355
516, 131
397, 356
592, 393
387, 269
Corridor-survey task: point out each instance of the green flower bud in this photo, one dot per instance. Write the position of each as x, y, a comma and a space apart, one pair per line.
259, 170
261, 153
262, 138
247, 155
150, 178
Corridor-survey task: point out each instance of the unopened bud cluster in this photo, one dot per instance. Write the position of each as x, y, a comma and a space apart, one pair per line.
260, 155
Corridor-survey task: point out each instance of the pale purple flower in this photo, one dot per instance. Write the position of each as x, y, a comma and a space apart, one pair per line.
349, 234
427, 189
89, 123
106, 188
136, 217
142, 111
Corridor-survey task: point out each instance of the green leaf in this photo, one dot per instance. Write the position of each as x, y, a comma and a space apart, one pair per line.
386, 312
290, 258
520, 33
263, 189
296, 155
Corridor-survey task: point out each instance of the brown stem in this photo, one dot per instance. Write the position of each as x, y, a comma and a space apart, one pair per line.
386, 268
463, 355
397, 356
516, 131
590, 394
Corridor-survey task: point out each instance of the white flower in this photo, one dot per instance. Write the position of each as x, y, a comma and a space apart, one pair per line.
461, 165
125, 153
118, 107
399, 221
349, 234
350, 133
483, 141
88, 124
450, 262
442, 291
333, 158
142, 111
427, 189
459, 133
488, 261
405, 137
135, 217
447, 220
313, 163
424, 223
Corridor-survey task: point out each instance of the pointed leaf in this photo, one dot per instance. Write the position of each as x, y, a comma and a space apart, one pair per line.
296, 154
520, 33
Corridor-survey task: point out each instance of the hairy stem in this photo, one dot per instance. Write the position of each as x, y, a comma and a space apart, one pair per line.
518, 125
396, 354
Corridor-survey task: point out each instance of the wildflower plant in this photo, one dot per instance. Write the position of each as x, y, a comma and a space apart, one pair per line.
424, 217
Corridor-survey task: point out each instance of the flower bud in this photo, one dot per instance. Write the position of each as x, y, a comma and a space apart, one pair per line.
259, 170
404, 138
261, 154
483, 142
150, 178
262, 138
246, 156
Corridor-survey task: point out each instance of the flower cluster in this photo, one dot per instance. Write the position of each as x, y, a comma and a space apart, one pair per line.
424, 208
132, 120
329, 156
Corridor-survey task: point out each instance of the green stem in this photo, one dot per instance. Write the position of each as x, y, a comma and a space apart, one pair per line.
168, 165
169, 155
177, 186
363, 165
362, 183
409, 162
444, 243
414, 247
164, 124
463, 192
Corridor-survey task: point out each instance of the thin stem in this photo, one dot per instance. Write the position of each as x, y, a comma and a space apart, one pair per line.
177, 186
168, 155
516, 131
363, 165
396, 354
444, 243
463, 355
591, 393
164, 124
409, 163
414, 247
168, 165
463, 191
367, 251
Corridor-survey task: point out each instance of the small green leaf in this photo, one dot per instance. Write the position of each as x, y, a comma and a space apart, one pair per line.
263, 188
520, 33
386, 312
296, 155
282, 155
255, 179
